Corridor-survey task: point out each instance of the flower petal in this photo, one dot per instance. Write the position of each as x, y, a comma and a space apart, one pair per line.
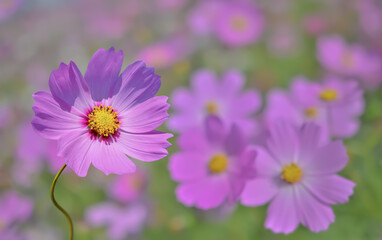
187, 166
282, 212
258, 192
145, 116
150, 146
139, 83
102, 74
67, 84
50, 120
204, 84
266, 166
331, 189
212, 193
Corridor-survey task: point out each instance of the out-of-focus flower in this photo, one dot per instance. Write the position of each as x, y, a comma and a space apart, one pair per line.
212, 166
239, 23
201, 19
170, 5
283, 40
103, 117
210, 97
14, 210
296, 173
353, 60
31, 153
6, 115
315, 24
165, 53
370, 18
9, 7
121, 221
130, 187
334, 105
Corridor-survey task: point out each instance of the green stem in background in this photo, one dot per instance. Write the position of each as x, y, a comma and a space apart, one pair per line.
58, 205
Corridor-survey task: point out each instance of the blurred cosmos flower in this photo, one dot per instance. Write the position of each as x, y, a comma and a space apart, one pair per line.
370, 18
102, 116
166, 53
212, 166
9, 7
210, 97
283, 40
122, 221
296, 173
334, 105
30, 158
14, 210
129, 188
354, 60
239, 23
315, 24
203, 15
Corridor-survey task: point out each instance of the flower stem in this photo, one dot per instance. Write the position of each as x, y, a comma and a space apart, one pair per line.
58, 205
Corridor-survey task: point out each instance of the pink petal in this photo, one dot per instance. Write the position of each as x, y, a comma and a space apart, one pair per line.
258, 192
50, 120
212, 193
188, 166
232, 82
145, 116
204, 84
331, 189
102, 74
265, 165
193, 140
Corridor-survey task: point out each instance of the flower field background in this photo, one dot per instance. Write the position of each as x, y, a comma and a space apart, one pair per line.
272, 46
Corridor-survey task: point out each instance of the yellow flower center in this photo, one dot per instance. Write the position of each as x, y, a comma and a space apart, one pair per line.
311, 112
103, 120
212, 108
329, 95
291, 173
239, 23
218, 163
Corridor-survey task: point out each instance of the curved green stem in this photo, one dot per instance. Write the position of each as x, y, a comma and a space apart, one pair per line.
58, 205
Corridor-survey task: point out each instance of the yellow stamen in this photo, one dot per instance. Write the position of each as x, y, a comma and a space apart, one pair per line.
218, 163
239, 23
212, 108
291, 173
329, 95
311, 112
103, 120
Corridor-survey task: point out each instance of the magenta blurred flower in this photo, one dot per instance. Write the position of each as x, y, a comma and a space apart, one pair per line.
212, 166
210, 97
14, 210
296, 173
370, 18
334, 105
239, 23
105, 116
122, 221
354, 60
6, 114
9, 7
201, 18
130, 187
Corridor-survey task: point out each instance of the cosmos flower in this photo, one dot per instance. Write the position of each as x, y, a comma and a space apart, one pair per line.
129, 187
202, 17
296, 173
239, 23
353, 60
121, 221
14, 209
103, 117
212, 166
334, 105
210, 97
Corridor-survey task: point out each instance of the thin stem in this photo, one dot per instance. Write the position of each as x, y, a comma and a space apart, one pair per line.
58, 205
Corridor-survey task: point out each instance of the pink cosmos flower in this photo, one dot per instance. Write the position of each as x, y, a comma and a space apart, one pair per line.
350, 60
201, 18
130, 187
210, 97
239, 23
212, 166
121, 221
14, 209
105, 116
334, 105
296, 173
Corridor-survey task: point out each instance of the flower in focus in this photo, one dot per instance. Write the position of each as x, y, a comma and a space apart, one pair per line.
212, 166
296, 173
239, 23
103, 117
354, 60
210, 97
121, 221
14, 209
334, 105
130, 187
